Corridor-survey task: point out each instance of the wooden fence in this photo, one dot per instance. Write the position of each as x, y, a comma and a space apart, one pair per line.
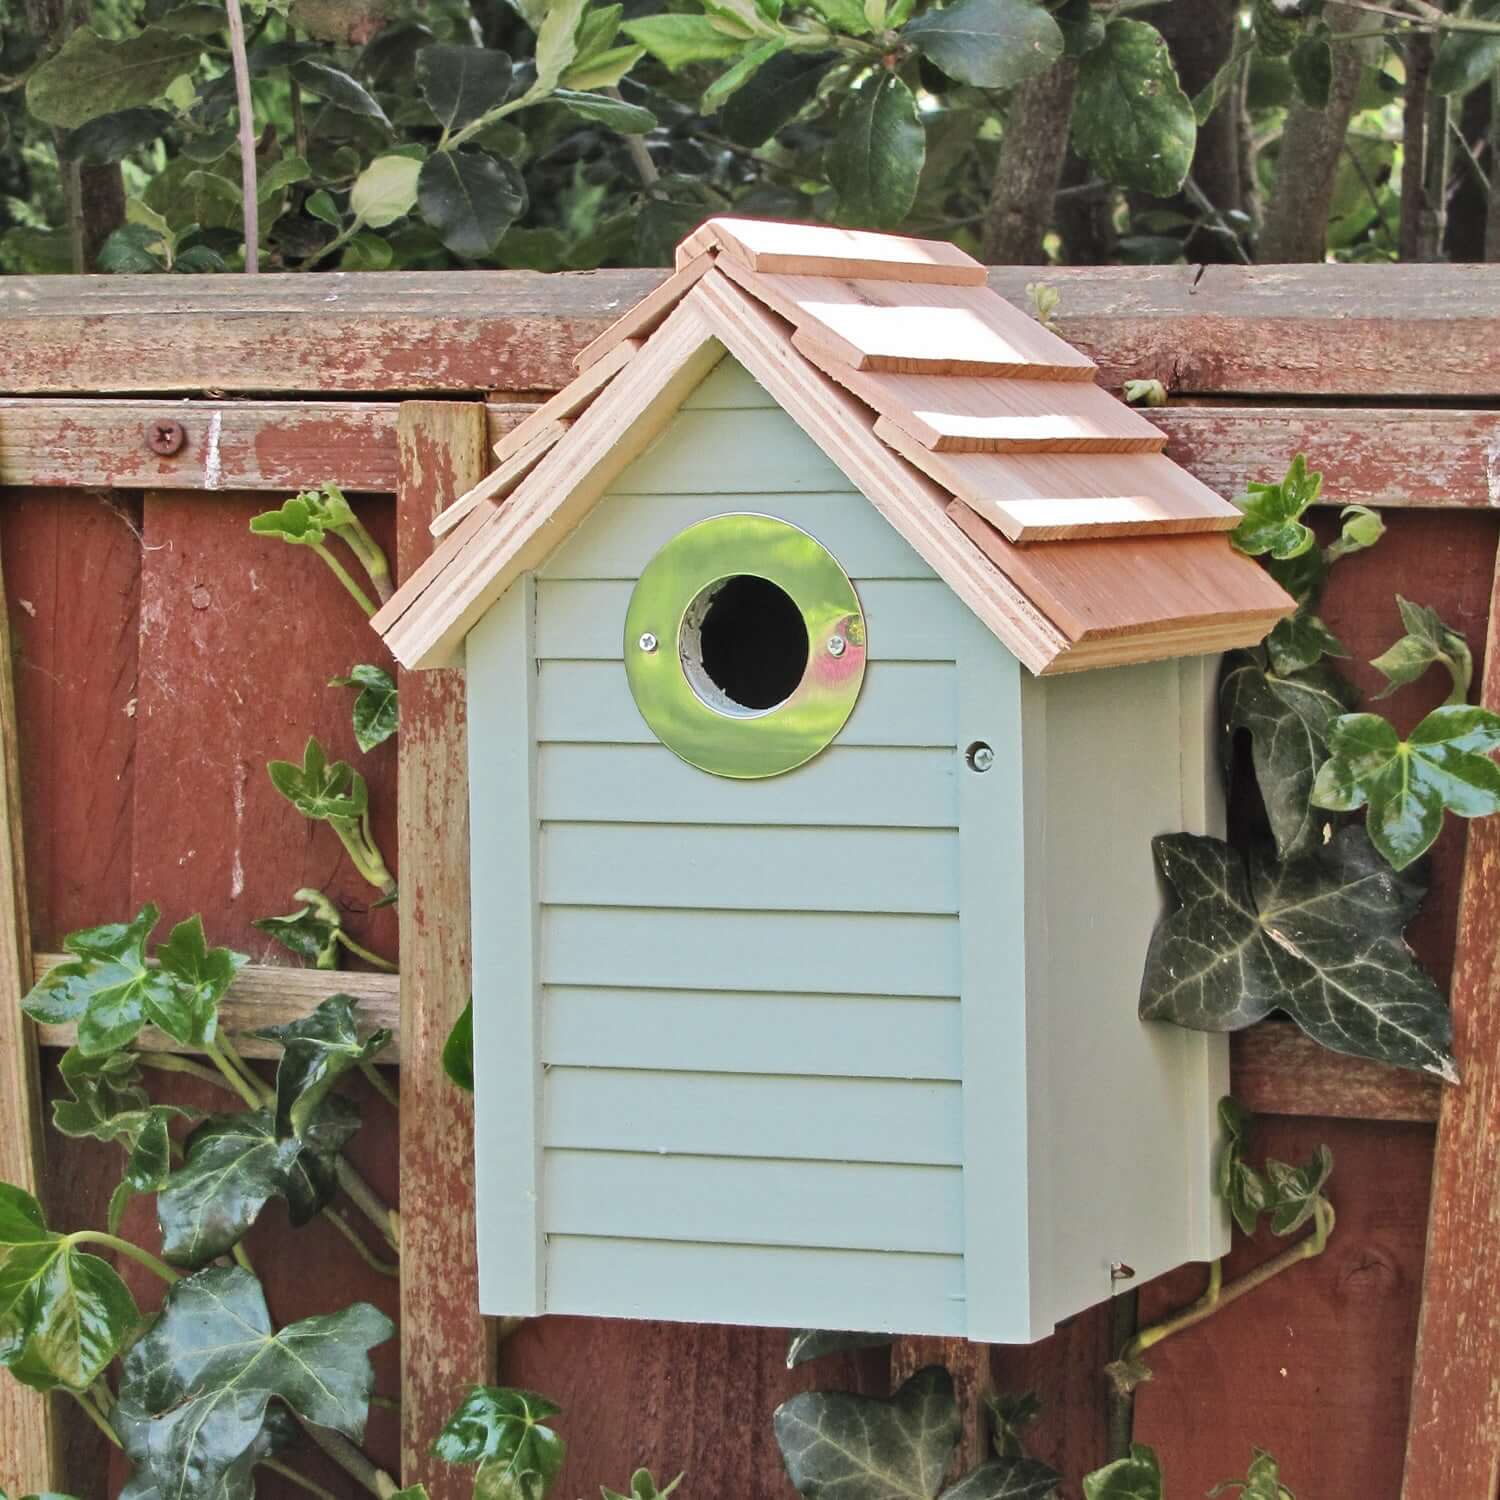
161, 655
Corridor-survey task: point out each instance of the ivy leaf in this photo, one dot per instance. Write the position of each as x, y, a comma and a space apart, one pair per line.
1272, 521
1466, 59
316, 1052
878, 149
1008, 1416
1288, 719
781, 88
102, 1089
1131, 120
893, 1449
1247, 1193
1135, 1478
1319, 937
1263, 1482
677, 41
311, 932
235, 1165
1298, 1190
1427, 642
203, 976
148, 1161
375, 709
90, 76
306, 519
504, 1431
1407, 783
206, 1373
64, 1315
470, 198
991, 44
462, 83
628, 119
458, 1050
1301, 641
814, 1343
642, 1487
1007, 1479
338, 88
319, 790
279, 1432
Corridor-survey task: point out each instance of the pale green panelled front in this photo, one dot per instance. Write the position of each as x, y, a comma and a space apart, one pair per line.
725, 1072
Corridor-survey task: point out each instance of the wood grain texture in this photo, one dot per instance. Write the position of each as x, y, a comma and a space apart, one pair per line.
269, 995
240, 635
1368, 331
229, 445
442, 453
1276, 1070
647, 315
30, 1431
1314, 1365
1453, 1446
821, 250
515, 463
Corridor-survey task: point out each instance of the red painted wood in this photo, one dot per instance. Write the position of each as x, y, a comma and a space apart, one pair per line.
240, 635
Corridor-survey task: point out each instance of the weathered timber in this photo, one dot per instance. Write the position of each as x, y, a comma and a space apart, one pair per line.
1372, 331
269, 995
442, 454
227, 445
30, 1434
1453, 1443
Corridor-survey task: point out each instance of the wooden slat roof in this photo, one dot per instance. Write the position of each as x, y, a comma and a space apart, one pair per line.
1045, 503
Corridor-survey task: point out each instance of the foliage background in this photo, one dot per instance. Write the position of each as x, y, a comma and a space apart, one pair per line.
424, 134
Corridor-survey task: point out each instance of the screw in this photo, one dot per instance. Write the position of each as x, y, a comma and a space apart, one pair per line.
1119, 1271
164, 436
647, 642
980, 756
837, 645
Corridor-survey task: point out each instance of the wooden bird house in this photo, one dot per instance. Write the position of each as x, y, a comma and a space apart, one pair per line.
834, 648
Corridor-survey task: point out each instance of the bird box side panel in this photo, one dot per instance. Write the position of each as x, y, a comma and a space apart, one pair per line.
1126, 1109
748, 1025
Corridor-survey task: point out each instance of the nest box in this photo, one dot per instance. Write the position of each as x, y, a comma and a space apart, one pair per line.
834, 647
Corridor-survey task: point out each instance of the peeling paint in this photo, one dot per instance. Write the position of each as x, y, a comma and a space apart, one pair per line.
213, 460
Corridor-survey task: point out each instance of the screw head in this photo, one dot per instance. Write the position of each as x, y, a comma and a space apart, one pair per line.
647, 642
837, 645
980, 756
164, 436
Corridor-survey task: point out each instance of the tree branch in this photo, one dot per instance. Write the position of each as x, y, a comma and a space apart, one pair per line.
1029, 167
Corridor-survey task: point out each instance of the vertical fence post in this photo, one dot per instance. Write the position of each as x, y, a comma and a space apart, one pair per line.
30, 1447
444, 1348
1453, 1441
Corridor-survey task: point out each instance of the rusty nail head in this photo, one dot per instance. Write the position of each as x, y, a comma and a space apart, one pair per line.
164, 436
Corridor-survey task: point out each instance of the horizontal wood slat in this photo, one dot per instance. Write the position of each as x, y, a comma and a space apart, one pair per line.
1277, 1070
269, 995
1370, 331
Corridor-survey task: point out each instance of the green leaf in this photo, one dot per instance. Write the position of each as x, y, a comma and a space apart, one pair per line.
1247, 1193
1131, 120
642, 1487
678, 41
318, 790
1273, 514
814, 1343
556, 44
1427, 642
1466, 59
376, 707
1298, 1190
1311, 63
235, 1165
735, 78
203, 976
1135, 1478
278, 1433
338, 88
1263, 1482
1008, 1416
1408, 783
991, 44
836, 1445
385, 191
148, 1161
1288, 719
1018, 1478
780, 90
1301, 641
90, 76
1319, 937
1081, 25
311, 932
628, 119
603, 70
316, 1052
458, 1050
64, 1315
110, 138
204, 1376
505, 1432
843, 15
877, 152
471, 199
321, 206
462, 83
